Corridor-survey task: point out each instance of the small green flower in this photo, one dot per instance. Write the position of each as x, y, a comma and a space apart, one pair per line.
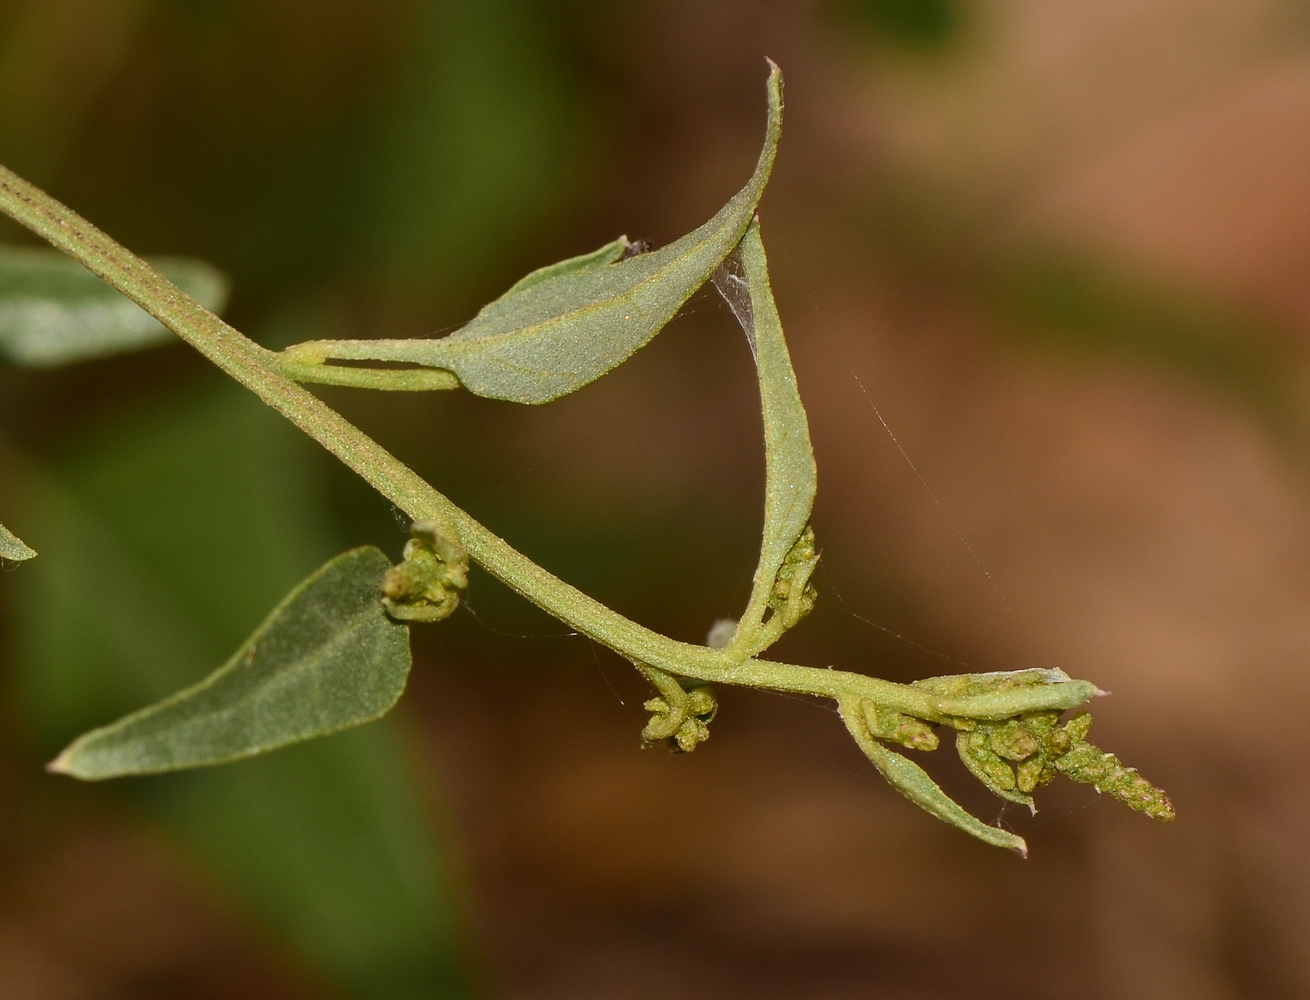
427, 585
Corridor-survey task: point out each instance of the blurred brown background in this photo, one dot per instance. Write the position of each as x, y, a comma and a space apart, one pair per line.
1061, 247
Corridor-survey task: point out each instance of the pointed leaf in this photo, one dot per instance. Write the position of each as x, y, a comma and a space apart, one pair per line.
565, 325
327, 658
53, 311
12, 547
329, 843
914, 783
791, 476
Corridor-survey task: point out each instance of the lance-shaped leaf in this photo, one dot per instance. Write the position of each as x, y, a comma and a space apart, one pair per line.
53, 311
565, 325
327, 658
12, 547
790, 478
913, 782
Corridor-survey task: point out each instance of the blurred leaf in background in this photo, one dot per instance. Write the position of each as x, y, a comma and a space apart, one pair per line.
921, 26
53, 311
475, 143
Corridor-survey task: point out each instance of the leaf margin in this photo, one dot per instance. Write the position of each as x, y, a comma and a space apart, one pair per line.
463, 354
791, 473
67, 762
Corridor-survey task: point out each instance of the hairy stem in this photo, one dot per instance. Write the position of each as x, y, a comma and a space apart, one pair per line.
258, 370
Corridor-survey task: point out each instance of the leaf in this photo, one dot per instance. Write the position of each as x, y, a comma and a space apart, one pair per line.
791, 476
53, 311
327, 658
14, 548
566, 325
187, 522
914, 783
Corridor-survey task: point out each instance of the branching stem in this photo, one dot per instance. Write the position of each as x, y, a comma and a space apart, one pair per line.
682, 710
255, 367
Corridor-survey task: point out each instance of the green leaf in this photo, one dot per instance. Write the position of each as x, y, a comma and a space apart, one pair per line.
791, 476
914, 783
565, 325
327, 658
53, 311
187, 522
14, 548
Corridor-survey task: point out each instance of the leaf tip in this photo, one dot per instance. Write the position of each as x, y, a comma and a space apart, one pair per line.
13, 548
62, 764
74, 762
774, 82
997, 836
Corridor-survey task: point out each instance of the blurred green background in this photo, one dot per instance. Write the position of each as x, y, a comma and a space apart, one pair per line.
1061, 248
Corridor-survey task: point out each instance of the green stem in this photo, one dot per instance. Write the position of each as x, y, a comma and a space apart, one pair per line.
258, 369
295, 368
